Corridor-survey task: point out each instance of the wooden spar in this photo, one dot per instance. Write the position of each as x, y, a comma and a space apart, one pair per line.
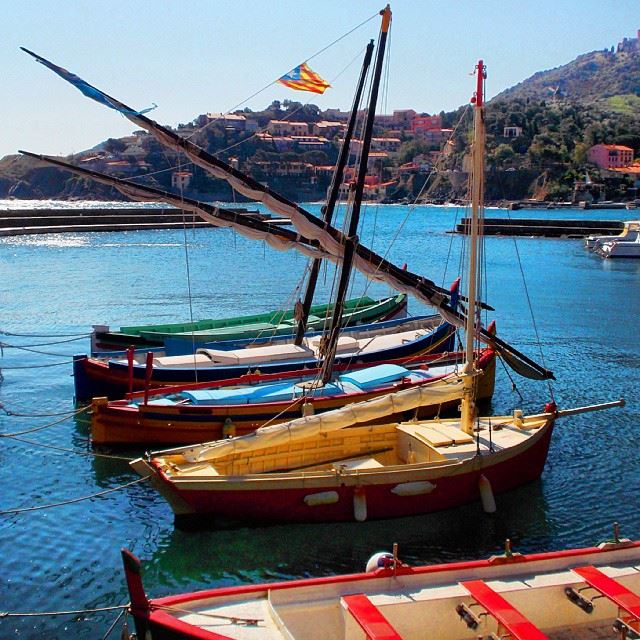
468, 404
333, 195
351, 240
563, 413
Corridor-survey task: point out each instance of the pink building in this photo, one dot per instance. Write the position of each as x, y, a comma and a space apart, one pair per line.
425, 122
610, 156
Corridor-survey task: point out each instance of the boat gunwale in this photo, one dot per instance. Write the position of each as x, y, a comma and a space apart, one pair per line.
350, 477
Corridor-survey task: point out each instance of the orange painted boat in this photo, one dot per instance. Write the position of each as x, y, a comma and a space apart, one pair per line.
193, 415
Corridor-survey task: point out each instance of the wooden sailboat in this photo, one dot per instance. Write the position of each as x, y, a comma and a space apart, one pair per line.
205, 412
335, 466
590, 593
313, 237
358, 311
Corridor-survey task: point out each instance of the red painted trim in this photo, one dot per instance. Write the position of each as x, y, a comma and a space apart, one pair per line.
370, 618
505, 613
424, 570
611, 589
480, 84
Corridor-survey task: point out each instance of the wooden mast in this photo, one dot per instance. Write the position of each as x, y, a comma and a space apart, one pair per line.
328, 209
351, 239
477, 195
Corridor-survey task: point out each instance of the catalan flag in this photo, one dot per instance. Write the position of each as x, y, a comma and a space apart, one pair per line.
302, 78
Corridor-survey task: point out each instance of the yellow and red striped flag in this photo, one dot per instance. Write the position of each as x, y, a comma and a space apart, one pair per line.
302, 78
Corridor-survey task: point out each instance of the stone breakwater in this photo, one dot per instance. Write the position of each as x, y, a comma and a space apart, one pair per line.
29, 221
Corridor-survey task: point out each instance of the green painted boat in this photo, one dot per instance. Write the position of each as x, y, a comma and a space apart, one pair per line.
272, 323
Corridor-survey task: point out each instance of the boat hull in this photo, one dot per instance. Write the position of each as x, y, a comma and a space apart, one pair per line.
416, 602
119, 423
287, 497
96, 378
357, 311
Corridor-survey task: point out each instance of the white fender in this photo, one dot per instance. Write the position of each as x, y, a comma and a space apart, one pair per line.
359, 504
413, 488
486, 495
324, 497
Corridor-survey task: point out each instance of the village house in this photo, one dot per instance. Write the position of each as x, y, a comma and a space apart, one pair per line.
286, 128
180, 180
610, 156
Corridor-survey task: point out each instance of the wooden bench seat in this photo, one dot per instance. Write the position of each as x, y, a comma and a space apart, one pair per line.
625, 599
508, 617
369, 617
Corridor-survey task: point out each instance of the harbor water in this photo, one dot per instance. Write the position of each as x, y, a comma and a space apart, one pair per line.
65, 558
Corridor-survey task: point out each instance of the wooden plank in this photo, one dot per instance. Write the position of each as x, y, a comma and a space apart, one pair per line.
624, 598
506, 614
369, 617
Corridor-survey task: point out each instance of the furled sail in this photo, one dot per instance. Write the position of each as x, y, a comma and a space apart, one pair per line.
275, 236
371, 265
445, 390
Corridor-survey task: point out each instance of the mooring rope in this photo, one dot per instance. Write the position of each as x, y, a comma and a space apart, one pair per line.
45, 344
32, 614
38, 366
67, 450
40, 428
99, 494
45, 335
4, 345
43, 415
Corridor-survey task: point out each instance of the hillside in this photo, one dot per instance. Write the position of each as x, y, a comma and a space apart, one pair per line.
591, 76
538, 136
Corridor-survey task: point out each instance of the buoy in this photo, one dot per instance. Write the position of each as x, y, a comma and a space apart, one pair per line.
486, 495
359, 504
379, 560
324, 497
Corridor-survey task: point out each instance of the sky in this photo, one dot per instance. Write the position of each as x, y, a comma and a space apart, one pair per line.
198, 56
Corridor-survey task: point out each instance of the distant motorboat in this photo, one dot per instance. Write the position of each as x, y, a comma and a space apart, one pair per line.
629, 231
619, 248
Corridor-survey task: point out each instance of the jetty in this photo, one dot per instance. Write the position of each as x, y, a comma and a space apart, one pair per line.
544, 228
16, 222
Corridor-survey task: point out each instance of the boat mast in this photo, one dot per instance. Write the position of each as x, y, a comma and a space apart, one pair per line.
477, 195
351, 239
329, 208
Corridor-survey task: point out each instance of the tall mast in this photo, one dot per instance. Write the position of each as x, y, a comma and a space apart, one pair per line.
477, 196
333, 195
351, 239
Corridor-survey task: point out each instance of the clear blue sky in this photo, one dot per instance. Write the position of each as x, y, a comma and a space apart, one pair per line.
210, 55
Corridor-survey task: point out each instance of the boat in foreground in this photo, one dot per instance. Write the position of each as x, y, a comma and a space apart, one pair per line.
591, 593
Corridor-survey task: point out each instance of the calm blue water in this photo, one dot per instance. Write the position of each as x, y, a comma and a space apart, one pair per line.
67, 558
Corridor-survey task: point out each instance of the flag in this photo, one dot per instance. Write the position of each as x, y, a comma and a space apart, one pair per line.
302, 78
87, 89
